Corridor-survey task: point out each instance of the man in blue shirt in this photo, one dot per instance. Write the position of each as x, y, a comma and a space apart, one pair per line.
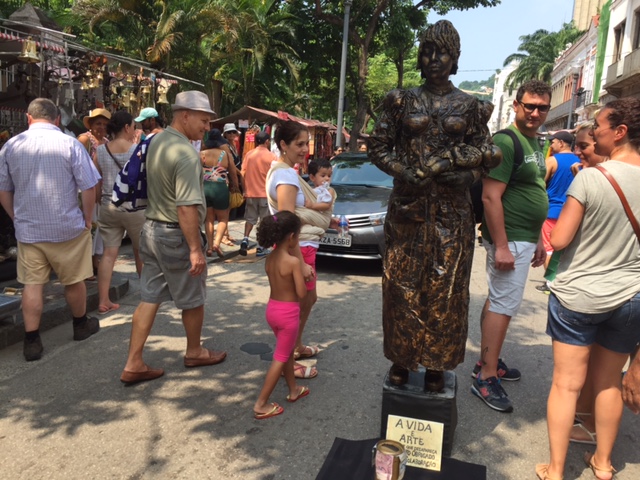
41, 172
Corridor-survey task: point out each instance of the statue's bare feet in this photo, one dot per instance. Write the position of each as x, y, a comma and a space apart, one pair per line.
398, 375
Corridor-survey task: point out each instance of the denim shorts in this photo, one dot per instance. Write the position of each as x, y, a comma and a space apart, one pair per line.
618, 330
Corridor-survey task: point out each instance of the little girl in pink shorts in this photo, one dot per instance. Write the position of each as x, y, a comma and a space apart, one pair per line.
283, 310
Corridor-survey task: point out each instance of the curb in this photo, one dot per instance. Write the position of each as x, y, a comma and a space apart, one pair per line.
56, 311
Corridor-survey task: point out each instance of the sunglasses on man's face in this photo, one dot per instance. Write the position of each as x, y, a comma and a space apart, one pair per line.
530, 107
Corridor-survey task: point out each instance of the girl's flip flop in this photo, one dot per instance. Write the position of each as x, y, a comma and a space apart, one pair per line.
304, 391
276, 410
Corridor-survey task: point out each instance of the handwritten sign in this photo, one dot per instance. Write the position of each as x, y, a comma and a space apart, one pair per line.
243, 123
421, 439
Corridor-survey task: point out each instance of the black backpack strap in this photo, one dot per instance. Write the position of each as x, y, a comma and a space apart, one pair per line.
517, 148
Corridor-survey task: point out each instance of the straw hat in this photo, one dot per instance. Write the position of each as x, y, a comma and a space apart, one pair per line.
96, 112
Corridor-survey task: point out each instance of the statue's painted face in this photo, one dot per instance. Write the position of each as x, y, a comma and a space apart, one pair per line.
436, 63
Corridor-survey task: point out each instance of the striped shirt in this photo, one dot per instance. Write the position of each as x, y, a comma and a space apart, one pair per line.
45, 169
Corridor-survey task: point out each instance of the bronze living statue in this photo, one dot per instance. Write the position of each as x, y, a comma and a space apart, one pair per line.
434, 141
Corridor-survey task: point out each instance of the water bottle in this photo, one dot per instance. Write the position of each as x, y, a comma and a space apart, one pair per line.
343, 227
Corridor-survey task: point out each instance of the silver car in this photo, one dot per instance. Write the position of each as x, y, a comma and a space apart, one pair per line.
363, 194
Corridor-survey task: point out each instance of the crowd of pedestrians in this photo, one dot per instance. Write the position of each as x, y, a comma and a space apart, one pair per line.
579, 204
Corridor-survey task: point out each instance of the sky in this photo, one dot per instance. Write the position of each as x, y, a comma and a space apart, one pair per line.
489, 35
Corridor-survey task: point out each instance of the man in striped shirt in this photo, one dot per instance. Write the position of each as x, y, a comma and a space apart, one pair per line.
41, 172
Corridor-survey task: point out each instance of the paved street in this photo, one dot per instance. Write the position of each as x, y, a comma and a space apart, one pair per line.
68, 416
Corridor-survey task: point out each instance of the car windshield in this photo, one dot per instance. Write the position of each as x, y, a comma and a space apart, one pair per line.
359, 172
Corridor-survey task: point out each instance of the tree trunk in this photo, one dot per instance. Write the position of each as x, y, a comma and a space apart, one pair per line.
361, 97
400, 68
216, 94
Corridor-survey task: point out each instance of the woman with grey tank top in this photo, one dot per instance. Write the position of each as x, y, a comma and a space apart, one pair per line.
115, 221
593, 315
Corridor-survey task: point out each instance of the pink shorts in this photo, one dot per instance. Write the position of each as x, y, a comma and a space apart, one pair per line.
547, 226
284, 320
309, 257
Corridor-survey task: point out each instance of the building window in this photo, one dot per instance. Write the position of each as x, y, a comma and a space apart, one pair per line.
618, 37
636, 30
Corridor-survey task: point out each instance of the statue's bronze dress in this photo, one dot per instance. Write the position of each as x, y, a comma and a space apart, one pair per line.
429, 229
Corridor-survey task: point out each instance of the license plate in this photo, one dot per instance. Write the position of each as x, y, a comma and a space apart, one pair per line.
335, 240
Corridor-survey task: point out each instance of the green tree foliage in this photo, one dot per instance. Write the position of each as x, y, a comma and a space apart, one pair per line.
537, 54
383, 76
367, 16
250, 44
51, 7
276, 54
482, 89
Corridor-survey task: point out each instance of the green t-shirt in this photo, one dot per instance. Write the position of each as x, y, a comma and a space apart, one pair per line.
525, 200
174, 177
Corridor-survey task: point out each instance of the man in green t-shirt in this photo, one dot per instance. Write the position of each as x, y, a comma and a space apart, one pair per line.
172, 245
515, 207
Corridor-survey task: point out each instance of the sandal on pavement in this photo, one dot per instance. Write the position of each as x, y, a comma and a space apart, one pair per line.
103, 309
302, 371
579, 430
303, 392
306, 352
541, 472
210, 252
216, 249
228, 242
276, 410
588, 459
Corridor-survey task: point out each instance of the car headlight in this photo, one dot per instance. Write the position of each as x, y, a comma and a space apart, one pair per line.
377, 219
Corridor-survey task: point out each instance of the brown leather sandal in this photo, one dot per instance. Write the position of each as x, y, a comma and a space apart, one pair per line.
588, 459
541, 472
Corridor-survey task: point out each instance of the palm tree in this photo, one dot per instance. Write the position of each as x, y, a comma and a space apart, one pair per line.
145, 29
540, 50
250, 45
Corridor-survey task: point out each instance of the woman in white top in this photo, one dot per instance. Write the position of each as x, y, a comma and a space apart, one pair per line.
285, 192
594, 307
114, 221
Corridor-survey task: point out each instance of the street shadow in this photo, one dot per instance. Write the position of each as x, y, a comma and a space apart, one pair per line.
213, 405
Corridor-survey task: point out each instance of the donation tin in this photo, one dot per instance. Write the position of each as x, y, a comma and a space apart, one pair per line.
389, 459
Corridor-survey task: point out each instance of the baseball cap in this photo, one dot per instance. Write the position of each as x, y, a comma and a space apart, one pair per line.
146, 113
563, 136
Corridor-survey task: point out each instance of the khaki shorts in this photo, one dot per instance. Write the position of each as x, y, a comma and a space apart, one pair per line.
165, 272
113, 222
506, 287
71, 260
255, 209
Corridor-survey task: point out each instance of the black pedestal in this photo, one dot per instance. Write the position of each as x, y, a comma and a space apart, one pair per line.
411, 400
351, 460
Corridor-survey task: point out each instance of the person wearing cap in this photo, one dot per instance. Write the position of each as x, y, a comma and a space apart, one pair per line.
150, 121
254, 171
231, 134
558, 178
172, 246
41, 171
